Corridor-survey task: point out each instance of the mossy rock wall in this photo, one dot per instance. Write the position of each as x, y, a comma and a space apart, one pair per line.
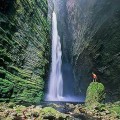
24, 49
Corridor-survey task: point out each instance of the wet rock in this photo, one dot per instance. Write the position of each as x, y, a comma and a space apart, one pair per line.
107, 112
35, 114
49, 112
90, 113
103, 113
82, 110
49, 117
70, 106
13, 114
38, 107
76, 110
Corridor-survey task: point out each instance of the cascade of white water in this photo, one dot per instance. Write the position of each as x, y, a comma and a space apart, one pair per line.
55, 91
55, 88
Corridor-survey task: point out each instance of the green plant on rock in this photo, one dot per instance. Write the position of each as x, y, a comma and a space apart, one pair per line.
49, 112
95, 94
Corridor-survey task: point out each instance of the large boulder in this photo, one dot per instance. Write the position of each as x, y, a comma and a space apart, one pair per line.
52, 114
95, 94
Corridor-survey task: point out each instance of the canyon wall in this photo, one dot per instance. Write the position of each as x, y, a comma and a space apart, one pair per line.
24, 50
89, 31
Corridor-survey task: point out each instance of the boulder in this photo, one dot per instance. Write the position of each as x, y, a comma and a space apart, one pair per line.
95, 94
51, 114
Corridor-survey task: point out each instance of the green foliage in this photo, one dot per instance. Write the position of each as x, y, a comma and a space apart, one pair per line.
24, 51
22, 72
6, 86
95, 94
114, 108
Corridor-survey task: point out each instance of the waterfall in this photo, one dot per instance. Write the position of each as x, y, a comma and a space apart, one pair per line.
55, 86
55, 91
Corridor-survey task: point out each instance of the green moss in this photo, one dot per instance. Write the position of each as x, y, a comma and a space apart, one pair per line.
24, 51
6, 88
22, 72
114, 108
95, 94
48, 111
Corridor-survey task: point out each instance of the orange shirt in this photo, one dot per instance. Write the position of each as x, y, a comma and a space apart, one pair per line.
94, 76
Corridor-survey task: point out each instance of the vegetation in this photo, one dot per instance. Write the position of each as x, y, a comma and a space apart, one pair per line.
24, 50
96, 108
49, 112
18, 112
95, 94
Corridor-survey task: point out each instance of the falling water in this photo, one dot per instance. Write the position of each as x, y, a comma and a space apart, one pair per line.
55, 88
55, 92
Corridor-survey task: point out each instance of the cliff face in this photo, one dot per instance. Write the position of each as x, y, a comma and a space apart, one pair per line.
89, 30
24, 49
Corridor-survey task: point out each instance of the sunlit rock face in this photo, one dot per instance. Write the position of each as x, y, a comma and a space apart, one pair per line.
89, 30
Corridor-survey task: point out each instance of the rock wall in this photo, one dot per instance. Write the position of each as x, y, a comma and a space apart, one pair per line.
24, 49
89, 30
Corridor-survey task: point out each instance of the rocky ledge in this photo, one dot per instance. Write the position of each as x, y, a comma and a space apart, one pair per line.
68, 111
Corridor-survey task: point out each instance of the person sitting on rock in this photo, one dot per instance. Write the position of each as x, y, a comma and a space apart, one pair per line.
94, 77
